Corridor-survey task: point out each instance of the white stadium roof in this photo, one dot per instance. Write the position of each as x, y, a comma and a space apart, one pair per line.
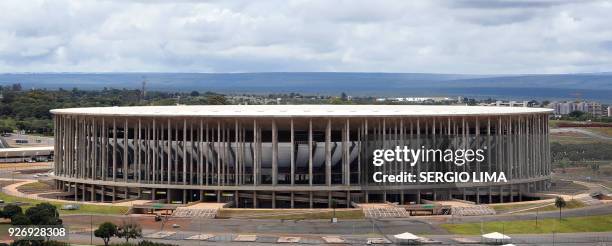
299, 110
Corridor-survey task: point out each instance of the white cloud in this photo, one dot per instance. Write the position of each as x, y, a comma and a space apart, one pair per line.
252, 36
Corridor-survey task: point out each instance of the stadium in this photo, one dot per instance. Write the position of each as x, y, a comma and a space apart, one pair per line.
293, 156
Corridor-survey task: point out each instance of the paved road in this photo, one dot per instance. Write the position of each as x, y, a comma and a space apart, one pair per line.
602, 209
227, 239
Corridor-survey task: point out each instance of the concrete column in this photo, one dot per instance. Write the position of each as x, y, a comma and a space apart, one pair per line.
274, 154
201, 195
201, 156
292, 200
103, 193
511, 197
114, 150
168, 196
273, 199
218, 196
328, 153
237, 161
125, 152
254, 199
169, 156
418, 197
154, 152
84, 192
93, 193
310, 160
348, 199
219, 159
255, 155
114, 194
329, 199
126, 193
477, 195
138, 156
292, 160
367, 197
153, 194
184, 152
236, 199
185, 196
310, 200
347, 153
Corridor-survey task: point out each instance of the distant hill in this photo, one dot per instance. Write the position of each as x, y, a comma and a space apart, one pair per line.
595, 86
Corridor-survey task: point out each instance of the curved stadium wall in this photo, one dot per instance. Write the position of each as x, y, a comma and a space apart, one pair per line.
291, 156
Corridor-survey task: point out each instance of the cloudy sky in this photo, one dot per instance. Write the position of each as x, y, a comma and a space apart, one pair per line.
480, 36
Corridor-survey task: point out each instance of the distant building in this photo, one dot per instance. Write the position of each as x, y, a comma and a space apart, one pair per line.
564, 108
609, 111
507, 104
417, 100
27, 154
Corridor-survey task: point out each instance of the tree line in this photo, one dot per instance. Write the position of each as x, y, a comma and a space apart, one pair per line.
28, 110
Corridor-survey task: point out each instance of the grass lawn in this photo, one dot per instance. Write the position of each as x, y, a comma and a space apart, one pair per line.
574, 224
293, 214
507, 207
569, 205
35, 185
606, 131
573, 138
85, 208
555, 123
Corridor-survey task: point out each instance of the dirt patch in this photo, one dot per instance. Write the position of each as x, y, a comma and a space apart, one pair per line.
37, 187
146, 222
4, 183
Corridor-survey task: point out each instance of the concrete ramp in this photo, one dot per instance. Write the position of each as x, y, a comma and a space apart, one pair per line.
199, 210
473, 210
383, 210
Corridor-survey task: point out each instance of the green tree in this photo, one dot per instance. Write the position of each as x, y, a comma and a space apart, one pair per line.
106, 231
336, 100
129, 230
20, 219
11, 210
576, 114
43, 214
7, 125
560, 203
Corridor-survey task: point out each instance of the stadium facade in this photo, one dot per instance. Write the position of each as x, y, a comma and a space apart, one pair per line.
292, 155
